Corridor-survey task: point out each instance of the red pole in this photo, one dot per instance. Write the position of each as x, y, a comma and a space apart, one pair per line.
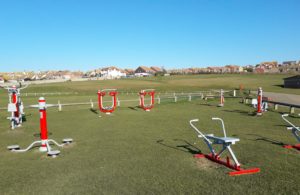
43, 123
115, 100
152, 98
15, 101
99, 100
259, 101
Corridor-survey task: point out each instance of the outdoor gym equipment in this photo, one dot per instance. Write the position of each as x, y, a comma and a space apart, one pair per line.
295, 130
221, 98
15, 105
44, 143
143, 93
107, 109
225, 141
260, 106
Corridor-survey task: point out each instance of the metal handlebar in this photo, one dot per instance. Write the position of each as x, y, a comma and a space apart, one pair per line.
108, 90
47, 105
195, 128
223, 126
148, 90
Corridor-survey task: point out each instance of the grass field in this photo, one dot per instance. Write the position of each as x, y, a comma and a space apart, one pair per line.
137, 152
272, 83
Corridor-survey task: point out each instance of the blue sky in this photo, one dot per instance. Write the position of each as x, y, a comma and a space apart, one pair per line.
88, 34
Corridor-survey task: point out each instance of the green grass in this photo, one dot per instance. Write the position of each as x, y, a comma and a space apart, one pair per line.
137, 152
270, 83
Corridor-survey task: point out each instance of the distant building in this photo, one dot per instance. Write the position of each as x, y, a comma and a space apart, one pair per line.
289, 63
233, 69
1, 80
267, 67
292, 82
156, 69
259, 70
290, 67
112, 72
144, 71
129, 72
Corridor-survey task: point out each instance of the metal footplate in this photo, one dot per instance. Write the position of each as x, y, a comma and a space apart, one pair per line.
13, 147
67, 140
53, 153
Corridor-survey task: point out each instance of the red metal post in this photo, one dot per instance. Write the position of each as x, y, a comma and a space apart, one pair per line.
43, 123
259, 102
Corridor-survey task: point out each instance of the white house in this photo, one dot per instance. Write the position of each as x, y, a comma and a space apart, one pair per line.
1, 80
112, 73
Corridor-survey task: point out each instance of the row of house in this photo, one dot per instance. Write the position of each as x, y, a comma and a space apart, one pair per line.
263, 67
210, 69
110, 72
275, 67
113, 72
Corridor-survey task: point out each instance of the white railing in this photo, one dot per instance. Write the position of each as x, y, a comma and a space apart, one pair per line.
49, 93
159, 97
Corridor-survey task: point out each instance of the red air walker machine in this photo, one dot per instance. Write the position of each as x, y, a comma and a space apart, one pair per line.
143, 93
107, 109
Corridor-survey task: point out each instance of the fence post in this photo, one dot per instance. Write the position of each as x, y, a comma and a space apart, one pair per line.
92, 103
158, 99
292, 110
175, 99
246, 101
59, 106
118, 102
190, 97
234, 93
275, 106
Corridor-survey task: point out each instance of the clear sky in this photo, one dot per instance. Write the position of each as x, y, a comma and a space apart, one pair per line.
88, 34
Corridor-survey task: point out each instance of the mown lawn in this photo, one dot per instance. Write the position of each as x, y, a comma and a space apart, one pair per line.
137, 152
271, 83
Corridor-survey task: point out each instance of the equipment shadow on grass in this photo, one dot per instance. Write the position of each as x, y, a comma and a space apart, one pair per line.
185, 147
133, 108
266, 139
207, 104
241, 112
24, 119
94, 111
282, 86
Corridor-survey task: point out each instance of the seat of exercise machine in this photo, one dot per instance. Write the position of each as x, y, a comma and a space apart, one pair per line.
221, 140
